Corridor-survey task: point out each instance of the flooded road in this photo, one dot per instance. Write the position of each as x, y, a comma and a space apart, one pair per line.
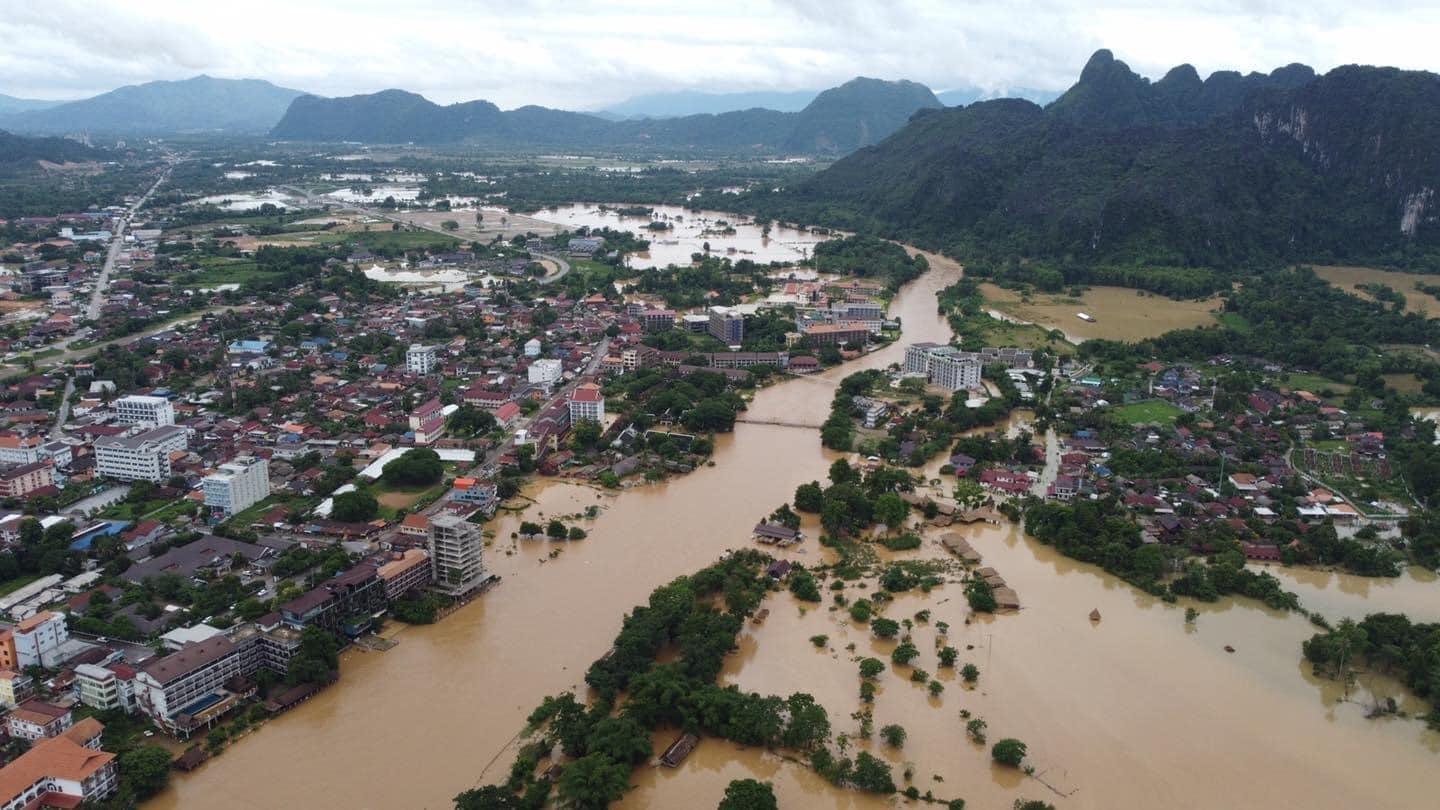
1138, 710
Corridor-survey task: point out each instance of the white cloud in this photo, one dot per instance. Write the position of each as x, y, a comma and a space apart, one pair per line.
584, 54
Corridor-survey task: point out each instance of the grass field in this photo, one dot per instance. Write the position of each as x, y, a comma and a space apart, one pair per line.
1120, 313
1154, 411
1349, 279
1314, 383
216, 271
1404, 383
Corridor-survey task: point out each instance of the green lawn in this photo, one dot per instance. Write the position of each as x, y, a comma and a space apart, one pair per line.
1151, 412
1314, 383
1235, 321
12, 585
215, 271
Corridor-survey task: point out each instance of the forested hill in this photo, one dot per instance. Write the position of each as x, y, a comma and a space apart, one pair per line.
197, 104
1228, 172
17, 151
858, 113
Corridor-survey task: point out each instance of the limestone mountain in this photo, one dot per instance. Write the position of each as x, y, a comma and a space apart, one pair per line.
198, 104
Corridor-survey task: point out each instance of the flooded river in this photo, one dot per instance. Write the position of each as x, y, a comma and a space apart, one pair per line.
1138, 710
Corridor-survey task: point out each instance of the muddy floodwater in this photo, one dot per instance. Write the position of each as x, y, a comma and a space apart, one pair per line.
1138, 710
689, 232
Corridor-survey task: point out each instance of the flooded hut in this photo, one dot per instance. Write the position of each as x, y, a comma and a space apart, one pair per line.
679, 750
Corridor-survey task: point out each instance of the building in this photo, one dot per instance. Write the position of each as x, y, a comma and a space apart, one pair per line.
945, 366
405, 573
837, 334
144, 410
420, 360
144, 456
344, 604
36, 720
17, 482
532, 347
546, 372
64, 771
20, 449
237, 485
727, 326
657, 320
15, 688
476, 493
428, 422
192, 688
105, 688
455, 547
587, 402
35, 641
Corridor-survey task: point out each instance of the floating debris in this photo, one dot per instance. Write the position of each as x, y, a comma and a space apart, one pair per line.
1095, 615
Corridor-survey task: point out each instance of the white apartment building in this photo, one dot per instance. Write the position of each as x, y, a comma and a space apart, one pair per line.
143, 456
546, 371
144, 410
420, 360
20, 449
237, 484
587, 402
455, 547
103, 688
172, 683
38, 640
945, 366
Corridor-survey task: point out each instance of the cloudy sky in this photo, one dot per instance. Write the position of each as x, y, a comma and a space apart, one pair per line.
583, 54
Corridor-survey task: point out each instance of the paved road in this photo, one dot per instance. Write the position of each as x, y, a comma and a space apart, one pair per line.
64, 409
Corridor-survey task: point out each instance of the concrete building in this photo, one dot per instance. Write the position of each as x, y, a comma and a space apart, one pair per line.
64, 771
455, 546
945, 366
657, 320
37, 720
546, 371
420, 360
428, 422
106, 687
20, 449
837, 334
192, 688
144, 410
727, 326
35, 641
142, 457
587, 402
405, 573
344, 604
532, 347
17, 482
237, 485
15, 688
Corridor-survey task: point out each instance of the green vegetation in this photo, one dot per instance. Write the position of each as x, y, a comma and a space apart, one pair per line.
1151, 412
1387, 642
1009, 751
748, 794
868, 257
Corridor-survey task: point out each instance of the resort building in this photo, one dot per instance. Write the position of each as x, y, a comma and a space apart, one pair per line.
945, 366
64, 771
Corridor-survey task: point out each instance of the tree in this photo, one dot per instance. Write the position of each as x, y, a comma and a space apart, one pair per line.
146, 770
872, 774
970, 673
1008, 751
556, 530
969, 494
808, 498
842, 473
948, 656
450, 225
528, 529
620, 738
354, 507
975, 728
585, 434
981, 596
419, 467
593, 781
488, 797
871, 667
894, 735
885, 628
905, 653
891, 509
808, 724
316, 659
748, 794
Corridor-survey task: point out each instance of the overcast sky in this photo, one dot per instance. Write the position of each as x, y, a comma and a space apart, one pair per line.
582, 55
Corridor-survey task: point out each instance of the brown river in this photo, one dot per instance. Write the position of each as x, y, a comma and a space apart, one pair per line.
1136, 710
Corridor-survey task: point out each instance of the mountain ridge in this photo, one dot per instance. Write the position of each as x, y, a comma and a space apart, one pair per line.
200, 103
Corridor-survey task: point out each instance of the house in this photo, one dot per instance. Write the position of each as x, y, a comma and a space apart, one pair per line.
64, 771
1244, 482
36, 720
776, 534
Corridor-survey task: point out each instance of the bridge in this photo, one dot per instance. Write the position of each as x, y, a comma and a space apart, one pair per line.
776, 423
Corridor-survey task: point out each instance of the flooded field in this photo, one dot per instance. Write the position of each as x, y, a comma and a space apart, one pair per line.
731, 235
1138, 710
247, 200
1350, 279
1120, 313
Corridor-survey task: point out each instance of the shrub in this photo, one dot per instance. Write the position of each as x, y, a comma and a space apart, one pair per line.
1009, 751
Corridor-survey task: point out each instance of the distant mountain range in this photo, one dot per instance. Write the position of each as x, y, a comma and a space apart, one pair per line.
1223, 172
690, 102
860, 112
10, 104
199, 104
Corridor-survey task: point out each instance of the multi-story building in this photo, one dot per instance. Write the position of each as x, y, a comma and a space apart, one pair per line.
103, 688
344, 603
657, 320
20, 449
143, 456
587, 402
727, 326
405, 573
36, 720
455, 546
546, 371
837, 334
144, 410
945, 366
532, 347
420, 360
35, 641
64, 771
193, 687
15, 688
17, 482
476, 493
428, 422
237, 484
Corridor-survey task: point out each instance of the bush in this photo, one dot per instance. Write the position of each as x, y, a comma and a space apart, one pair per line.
417, 468
903, 542
970, 673
905, 653
820, 641
1009, 752
354, 507
885, 628
948, 656
870, 668
894, 735
748, 794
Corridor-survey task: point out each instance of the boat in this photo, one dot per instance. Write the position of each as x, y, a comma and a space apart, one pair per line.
761, 616
1095, 615
1085, 316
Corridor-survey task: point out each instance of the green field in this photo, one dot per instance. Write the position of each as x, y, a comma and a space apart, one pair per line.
215, 271
1314, 383
1151, 412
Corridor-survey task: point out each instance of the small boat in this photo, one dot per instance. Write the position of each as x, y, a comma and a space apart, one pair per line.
1095, 615
761, 616
1229, 649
